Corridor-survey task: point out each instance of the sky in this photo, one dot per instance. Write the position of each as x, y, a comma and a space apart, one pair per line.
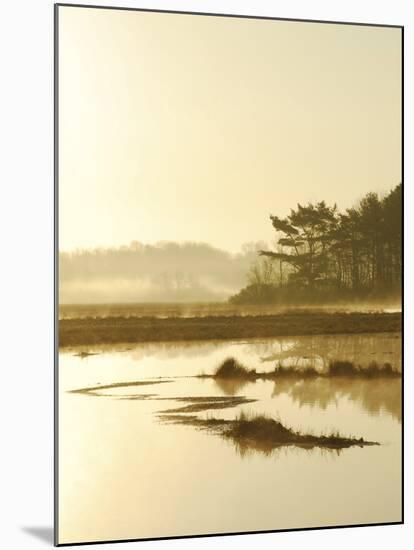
194, 128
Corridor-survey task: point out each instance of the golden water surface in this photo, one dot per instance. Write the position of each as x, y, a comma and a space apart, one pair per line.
125, 474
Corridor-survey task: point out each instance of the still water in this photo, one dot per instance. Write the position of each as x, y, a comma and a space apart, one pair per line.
125, 474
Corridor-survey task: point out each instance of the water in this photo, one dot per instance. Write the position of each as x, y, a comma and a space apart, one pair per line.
124, 474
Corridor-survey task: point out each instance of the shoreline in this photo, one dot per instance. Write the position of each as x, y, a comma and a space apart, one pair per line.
127, 330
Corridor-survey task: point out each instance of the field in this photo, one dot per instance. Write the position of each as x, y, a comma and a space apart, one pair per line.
91, 331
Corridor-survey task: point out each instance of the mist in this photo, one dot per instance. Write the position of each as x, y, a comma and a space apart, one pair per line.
162, 272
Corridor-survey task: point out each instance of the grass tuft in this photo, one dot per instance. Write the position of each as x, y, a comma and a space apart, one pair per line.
231, 368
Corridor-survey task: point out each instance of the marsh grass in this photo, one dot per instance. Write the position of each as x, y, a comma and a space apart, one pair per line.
262, 428
265, 434
231, 369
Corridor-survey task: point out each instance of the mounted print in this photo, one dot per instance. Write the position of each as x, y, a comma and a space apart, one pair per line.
228, 274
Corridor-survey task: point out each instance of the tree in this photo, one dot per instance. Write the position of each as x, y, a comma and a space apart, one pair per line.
306, 233
335, 255
392, 211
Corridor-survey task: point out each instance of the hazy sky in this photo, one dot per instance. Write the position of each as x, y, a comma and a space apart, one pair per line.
180, 127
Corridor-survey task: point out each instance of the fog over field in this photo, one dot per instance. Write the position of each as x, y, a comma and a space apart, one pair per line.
163, 272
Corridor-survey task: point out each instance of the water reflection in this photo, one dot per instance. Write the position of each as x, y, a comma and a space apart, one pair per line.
264, 354
318, 351
176, 359
115, 446
231, 386
246, 449
374, 396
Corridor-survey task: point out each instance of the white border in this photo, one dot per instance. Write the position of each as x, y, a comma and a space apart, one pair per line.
26, 259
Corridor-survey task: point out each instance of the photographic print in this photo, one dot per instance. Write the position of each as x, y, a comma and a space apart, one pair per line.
228, 274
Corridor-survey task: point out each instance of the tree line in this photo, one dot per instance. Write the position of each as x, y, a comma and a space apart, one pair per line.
321, 254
